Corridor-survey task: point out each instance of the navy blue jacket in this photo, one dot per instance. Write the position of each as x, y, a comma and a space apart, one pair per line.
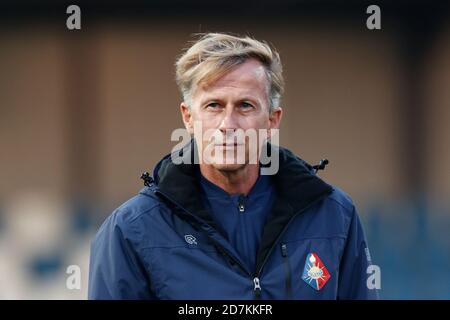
163, 243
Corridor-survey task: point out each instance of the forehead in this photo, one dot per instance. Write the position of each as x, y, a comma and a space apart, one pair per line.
248, 78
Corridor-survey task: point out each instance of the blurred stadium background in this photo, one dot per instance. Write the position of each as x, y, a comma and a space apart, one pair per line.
83, 113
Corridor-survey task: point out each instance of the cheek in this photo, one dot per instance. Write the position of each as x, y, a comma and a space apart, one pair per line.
204, 120
208, 124
257, 122
208, 119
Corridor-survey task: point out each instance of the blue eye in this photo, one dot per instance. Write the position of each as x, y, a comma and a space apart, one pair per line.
213, 105
246, 105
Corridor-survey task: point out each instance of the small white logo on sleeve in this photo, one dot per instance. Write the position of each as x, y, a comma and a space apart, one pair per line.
190, 239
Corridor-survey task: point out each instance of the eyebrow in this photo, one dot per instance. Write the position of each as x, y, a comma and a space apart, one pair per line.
245, 98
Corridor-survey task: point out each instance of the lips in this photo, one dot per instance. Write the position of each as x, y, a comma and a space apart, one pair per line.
229, 144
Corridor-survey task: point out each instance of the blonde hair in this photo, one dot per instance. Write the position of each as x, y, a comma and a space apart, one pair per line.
215, 54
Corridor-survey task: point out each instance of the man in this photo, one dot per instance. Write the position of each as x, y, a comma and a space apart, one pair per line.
220, 229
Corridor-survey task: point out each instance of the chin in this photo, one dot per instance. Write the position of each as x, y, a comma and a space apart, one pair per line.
228, 167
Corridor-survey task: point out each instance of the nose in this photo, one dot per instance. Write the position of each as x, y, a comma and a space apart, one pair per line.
229, 121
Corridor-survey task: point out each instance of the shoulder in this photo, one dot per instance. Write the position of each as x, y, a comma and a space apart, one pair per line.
337, 210
133, 217
342, 200
143, 205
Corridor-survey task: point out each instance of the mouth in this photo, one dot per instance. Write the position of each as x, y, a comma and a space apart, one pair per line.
228, 144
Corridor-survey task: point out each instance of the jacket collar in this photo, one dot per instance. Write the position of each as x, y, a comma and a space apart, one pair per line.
295, 182
296, 186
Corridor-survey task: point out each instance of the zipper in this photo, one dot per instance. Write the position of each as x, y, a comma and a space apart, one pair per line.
287, 268
223, 250
241, 203
256, 282
258, 273
257, 288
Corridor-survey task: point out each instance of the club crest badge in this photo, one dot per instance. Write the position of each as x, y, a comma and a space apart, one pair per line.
315, 273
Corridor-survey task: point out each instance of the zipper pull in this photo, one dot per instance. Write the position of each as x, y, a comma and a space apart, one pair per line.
284, 250
148, 180
257, 287
321, 165
241, 206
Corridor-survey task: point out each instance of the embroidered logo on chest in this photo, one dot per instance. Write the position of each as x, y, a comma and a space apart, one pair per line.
315, 273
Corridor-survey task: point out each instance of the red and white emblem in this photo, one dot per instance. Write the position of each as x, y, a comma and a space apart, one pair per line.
315, 273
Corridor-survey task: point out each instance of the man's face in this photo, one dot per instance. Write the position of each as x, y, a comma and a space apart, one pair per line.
238, 100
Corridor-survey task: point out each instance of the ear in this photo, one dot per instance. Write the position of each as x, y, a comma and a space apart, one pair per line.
187, 117
275, 118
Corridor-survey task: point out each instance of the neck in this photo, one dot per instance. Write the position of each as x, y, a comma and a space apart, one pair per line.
237, 181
